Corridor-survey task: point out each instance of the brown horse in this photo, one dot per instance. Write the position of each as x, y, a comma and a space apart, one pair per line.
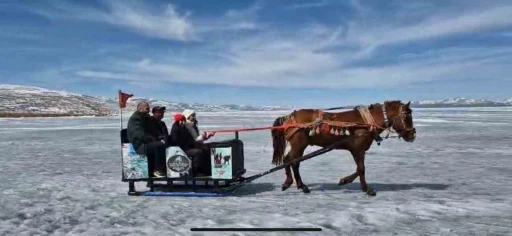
358, 129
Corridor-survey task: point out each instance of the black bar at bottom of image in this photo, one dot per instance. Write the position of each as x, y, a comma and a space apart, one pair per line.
255, 229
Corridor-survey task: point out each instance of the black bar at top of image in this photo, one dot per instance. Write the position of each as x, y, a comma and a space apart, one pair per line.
255, 229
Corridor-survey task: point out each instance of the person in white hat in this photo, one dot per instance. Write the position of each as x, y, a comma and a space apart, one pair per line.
190, 116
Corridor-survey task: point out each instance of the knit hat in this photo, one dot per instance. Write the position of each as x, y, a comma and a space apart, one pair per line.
187, 113
178, 117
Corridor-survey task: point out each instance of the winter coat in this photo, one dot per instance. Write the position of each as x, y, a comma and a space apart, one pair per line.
158, 129
181, 136
194, 131
138, 132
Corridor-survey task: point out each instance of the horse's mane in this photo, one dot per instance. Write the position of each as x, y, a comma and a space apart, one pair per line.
394, 101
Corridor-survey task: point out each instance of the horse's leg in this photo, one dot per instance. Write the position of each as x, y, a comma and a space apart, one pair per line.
298, 180
359, 156
348, 179
288, 172
297, 152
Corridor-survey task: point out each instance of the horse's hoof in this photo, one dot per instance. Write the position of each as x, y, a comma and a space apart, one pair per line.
305, 189
284, 187
371, 192
342, 182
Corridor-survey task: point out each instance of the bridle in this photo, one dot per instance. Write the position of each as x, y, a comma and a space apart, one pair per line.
390, 121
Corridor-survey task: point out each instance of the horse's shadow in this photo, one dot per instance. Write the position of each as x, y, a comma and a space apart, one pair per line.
255, 188
381, 187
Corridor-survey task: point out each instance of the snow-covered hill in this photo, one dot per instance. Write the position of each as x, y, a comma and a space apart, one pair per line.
178, 107
16, 100
462, 102
454, 102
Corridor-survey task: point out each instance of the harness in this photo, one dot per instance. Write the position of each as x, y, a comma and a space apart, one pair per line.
368, 118
365, 114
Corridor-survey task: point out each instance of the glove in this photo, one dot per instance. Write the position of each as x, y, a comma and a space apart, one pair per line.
208, 135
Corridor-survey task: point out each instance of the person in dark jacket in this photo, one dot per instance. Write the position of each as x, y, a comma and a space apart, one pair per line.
157, 127
198, 151
144, 143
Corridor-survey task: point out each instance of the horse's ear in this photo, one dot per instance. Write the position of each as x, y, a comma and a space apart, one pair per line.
408, 104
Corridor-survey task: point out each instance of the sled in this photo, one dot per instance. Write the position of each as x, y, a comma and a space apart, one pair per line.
227, 168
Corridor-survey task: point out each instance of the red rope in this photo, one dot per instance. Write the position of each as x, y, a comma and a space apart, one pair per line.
278, 127
254, 129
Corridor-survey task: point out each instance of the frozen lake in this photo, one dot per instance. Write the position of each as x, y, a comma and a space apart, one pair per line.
62, 176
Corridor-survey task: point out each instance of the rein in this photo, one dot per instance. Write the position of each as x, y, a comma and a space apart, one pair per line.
334, 108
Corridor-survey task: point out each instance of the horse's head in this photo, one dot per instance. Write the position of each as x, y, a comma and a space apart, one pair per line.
399, 117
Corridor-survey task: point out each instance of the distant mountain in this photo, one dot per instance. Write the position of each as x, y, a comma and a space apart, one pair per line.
16, 101
454, 102
461, 102
178, 107
26, 101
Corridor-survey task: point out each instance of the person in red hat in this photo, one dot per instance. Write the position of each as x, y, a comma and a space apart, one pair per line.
179, 117
181, 136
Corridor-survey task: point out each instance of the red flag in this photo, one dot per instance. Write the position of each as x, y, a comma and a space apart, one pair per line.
123, 97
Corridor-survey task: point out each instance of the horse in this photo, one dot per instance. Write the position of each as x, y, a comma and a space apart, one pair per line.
358, 128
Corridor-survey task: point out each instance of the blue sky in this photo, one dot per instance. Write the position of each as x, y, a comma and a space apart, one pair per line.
300, 53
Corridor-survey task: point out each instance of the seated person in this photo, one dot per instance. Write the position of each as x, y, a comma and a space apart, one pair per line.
157, 127
144, 143
191, 124
200, 153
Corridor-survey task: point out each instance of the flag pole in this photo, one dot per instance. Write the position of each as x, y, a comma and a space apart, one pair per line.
122, 104
121, 111
121, 115
119, 97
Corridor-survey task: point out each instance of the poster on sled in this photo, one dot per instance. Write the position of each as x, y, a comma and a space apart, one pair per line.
177, 162
135, 166
221, 163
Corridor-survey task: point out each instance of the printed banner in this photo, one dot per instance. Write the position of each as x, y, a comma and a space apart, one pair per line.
177, 162
221, 163
135, 166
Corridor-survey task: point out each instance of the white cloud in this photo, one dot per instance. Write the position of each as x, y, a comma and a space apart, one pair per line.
232, 20
310, 4
274, 66
312, 56
161, 21
166, 23
478, 20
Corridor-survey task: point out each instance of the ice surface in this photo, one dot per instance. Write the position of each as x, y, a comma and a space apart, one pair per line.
62, 176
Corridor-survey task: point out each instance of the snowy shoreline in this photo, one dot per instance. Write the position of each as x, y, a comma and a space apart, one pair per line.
44, 115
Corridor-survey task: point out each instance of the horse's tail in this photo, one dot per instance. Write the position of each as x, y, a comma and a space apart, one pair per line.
278, 141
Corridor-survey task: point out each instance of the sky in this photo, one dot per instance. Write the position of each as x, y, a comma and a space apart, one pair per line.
275, 52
